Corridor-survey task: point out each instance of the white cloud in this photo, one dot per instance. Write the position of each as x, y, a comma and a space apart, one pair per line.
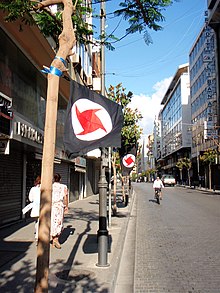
149, 106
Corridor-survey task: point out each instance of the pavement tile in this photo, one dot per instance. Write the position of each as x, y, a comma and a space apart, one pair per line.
72, 268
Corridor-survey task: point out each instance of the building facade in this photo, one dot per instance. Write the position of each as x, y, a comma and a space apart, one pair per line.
203, 92
173, 124
23, 89
213, 20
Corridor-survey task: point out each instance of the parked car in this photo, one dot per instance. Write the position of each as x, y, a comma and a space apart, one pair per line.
168, 179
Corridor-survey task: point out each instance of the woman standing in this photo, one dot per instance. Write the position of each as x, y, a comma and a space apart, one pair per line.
59, 206
34, 197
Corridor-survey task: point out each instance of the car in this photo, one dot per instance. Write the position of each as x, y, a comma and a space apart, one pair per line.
168, 179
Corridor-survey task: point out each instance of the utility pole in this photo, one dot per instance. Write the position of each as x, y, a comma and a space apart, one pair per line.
103, 232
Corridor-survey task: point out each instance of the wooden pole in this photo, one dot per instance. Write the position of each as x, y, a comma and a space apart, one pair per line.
43, 249
66, 42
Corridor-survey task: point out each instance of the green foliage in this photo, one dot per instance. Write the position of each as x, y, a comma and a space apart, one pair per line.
143, 14
50, 24
184, 163
118, 95
131, 131
18, 9
140, 14
150, 171
209, 156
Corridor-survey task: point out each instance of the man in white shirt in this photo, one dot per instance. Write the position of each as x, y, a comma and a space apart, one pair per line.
158, 184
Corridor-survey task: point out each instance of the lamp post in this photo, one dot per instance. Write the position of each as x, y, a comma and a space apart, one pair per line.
103, 232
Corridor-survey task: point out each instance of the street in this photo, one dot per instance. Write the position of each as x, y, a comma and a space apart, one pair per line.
177, 243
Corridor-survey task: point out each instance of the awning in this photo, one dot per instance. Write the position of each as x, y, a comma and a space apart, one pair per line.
80, 169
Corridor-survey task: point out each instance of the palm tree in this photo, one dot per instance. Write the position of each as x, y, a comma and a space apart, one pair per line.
180, 165
188, 165
184, 163
209, 158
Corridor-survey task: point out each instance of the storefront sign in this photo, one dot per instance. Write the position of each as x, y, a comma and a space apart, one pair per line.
5, 100
28, 132
79, 161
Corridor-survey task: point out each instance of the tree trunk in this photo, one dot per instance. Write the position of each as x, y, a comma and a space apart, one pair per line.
114, 208
181, 176
66, 41
189, 178
206, 181
123, 187
210, 177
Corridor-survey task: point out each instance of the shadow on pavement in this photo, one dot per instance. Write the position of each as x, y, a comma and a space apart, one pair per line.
11, 251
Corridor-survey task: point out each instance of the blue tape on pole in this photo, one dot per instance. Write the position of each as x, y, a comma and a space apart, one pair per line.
52, 70
62, 60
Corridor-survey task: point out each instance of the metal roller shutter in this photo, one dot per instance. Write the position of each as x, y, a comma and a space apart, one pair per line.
63, 170
10, 188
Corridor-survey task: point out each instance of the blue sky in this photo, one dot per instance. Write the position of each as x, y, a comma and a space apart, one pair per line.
146, 70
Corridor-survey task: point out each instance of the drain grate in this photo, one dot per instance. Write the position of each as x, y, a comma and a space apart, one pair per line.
75, 275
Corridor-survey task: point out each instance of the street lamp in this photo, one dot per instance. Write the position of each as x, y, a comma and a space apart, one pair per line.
103, 232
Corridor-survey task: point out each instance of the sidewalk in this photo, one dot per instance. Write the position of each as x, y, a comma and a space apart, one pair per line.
207, 190
72, 268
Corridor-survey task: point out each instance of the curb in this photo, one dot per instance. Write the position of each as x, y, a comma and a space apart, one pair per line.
199, 188
121, 245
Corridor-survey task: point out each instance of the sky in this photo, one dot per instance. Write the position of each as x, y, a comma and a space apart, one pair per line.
147, 70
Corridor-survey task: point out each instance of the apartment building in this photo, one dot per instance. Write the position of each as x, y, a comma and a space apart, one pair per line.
203, 92
173, 124
146, 159
213, 21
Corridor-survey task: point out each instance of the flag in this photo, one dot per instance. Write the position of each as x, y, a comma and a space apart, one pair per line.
128, 158
92, 121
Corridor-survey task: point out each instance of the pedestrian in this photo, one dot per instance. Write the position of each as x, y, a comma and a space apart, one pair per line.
59, 207
34, 197
158, 184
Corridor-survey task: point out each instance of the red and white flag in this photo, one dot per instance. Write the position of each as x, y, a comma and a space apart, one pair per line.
92, 121
128, 158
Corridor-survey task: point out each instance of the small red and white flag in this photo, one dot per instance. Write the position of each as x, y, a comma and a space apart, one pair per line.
128, 158
128, 161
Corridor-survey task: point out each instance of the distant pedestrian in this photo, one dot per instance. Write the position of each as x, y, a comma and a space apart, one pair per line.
60, 202
34, 197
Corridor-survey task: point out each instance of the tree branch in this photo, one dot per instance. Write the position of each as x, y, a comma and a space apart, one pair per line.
142, 11
47, 3
67, 37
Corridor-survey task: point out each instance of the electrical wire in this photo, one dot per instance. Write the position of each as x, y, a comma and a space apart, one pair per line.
155, 62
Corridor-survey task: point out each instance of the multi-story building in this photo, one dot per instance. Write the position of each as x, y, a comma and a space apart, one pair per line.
157, 138
203, 92
150, 158
213, 20
198, 118
23, 87
175, 118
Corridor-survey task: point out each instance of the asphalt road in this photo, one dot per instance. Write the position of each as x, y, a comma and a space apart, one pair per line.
177, 244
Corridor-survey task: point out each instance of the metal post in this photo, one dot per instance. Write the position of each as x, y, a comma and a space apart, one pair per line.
198, 159
103, 232
110, 189
197, 150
